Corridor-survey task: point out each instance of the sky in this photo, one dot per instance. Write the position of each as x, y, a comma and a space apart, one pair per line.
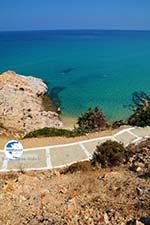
74, 14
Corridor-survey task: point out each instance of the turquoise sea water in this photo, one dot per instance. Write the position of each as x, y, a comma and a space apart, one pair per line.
82, 68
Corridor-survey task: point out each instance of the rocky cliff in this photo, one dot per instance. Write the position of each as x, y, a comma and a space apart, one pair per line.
22, 107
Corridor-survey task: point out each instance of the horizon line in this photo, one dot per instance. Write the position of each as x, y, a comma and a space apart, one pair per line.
75, 29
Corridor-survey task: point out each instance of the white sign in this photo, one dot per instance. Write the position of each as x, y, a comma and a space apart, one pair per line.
13, 150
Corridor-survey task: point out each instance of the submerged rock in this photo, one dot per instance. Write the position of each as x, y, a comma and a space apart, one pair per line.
22, 107
67, 70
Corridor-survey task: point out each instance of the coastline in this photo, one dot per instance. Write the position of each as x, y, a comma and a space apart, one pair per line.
68, 121
26, 88
49, 105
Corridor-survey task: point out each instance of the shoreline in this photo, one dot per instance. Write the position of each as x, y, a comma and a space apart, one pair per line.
47, 104
68, 121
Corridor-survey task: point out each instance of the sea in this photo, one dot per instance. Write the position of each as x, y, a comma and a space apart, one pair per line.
82, 68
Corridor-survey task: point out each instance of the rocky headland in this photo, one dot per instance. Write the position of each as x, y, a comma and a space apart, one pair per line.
24, 105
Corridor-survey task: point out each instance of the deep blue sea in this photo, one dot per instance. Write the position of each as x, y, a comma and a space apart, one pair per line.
82, 68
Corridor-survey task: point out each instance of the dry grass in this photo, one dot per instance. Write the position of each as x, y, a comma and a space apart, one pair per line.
60, 196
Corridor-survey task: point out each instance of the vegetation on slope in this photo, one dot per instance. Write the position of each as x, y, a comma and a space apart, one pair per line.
141, 110
92, 120
52, 132
110, 153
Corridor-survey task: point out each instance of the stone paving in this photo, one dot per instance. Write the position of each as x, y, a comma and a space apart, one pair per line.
58, 156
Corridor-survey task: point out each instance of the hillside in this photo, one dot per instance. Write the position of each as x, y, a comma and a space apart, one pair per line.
80, 194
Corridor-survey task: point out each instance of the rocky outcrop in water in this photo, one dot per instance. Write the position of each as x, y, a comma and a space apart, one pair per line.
24, 105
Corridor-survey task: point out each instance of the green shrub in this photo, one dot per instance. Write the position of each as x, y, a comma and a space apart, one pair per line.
141, 110
52, 132
110, 153
92, 120
140, 118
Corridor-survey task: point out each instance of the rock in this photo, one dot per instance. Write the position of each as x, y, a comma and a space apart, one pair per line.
139, 157
2, 197
106, 220
58, 110
22, 198
138, 169
139, 223
113, 175
113, 217
140, 190
134, 222
145, 220
143, 196
22, 106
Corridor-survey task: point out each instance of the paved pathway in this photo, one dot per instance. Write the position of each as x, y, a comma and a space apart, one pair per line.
58, 156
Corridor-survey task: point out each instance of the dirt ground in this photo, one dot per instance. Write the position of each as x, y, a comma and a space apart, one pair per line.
86, 196
81, 194
46, 141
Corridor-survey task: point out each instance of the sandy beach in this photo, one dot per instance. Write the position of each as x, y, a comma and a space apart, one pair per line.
68, 121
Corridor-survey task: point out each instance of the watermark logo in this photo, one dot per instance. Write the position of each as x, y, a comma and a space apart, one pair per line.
13, 150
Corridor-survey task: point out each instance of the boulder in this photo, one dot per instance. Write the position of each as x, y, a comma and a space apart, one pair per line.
22, 107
